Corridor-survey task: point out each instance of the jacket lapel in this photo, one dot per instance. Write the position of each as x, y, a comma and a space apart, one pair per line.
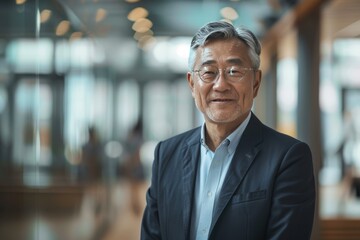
246, 151
190, 164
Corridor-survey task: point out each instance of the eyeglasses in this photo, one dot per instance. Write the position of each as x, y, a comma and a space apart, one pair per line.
210, 74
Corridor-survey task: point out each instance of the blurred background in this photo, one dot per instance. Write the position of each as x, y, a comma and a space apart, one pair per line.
88, 87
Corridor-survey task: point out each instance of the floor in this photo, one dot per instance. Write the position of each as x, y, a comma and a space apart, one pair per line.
106, 213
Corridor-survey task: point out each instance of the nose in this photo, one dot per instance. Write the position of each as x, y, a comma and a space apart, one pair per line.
221, 84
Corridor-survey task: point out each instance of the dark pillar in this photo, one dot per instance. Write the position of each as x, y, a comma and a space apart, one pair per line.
271, 93
308, 125
57, 123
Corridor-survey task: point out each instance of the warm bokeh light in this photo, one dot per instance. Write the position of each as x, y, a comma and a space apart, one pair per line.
19, 2
62, 28
132, 1
100, 15
229, 13
139, 35
76, 35
45, 15
142, 25
137, 13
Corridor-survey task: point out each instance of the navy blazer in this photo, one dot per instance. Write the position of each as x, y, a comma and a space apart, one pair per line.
268, 192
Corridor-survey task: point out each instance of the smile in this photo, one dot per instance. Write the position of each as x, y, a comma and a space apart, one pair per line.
221, 100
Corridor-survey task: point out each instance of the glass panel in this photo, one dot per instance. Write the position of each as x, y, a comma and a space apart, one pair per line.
157, 105
340, 103
128, 106
73, 84
287, 95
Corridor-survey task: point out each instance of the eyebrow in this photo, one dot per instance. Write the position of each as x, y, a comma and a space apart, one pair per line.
236, 61
208, 62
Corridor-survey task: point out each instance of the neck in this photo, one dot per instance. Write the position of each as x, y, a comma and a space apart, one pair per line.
216, 133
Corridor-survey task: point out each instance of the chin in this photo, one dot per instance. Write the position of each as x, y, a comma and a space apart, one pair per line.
222, 119
225, 117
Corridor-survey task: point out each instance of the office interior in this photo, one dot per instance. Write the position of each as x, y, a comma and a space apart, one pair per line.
76, 70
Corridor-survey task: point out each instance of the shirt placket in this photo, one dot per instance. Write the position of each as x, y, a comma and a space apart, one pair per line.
208, 196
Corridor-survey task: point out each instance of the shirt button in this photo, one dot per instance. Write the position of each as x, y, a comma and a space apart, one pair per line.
209, 193
204, 231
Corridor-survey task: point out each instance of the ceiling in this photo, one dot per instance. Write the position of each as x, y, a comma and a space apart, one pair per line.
341, 19
169, 17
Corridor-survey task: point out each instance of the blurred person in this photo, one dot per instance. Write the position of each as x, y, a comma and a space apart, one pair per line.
94, 202
134, 169
346, 145
233, 177
91, 154
350, 178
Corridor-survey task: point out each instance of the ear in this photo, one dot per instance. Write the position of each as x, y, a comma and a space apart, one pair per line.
257, 82
190, 80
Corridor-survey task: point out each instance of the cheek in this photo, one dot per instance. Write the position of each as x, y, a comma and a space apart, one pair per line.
246, 94
199, 97
199, 93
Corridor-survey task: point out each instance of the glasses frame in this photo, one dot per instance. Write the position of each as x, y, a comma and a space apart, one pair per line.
224, 69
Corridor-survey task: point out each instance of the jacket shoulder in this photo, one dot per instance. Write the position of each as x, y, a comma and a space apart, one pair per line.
273, 137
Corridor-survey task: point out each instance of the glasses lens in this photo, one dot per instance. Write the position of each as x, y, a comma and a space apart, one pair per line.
208, 73
233, 73
236, 73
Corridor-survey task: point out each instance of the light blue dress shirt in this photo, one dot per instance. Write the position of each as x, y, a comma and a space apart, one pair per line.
210, 178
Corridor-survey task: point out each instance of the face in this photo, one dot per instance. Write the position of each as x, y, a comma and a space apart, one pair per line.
224, 102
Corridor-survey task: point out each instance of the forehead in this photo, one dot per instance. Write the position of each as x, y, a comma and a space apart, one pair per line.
223, 51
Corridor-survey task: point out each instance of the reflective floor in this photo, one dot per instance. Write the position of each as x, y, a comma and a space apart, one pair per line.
109, 213
95, 216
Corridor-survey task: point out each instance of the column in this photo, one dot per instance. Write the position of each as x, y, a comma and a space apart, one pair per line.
308, 125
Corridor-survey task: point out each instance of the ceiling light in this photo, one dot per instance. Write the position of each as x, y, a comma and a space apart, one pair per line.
139, 35
45, 15
132, 1
142, 25
19, 2
62, 28
229, 13
100, 15
137, 13
76, 35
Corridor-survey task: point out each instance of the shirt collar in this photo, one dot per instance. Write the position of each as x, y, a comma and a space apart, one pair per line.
233, 138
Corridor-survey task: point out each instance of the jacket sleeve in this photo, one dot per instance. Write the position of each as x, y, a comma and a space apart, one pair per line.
150, 227
293, 199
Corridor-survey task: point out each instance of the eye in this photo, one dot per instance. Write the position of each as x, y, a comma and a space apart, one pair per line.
208, 72
236, 71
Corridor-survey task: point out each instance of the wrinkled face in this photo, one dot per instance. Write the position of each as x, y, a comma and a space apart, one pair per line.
224, 101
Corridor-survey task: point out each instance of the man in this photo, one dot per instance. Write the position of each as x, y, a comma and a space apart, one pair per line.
232, 178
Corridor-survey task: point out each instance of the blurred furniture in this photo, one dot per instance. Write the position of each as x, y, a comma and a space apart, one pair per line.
340, 229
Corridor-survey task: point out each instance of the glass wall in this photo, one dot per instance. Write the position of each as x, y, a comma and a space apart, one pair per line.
76, 107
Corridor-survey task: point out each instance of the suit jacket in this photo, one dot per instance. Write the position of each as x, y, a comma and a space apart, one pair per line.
268, 192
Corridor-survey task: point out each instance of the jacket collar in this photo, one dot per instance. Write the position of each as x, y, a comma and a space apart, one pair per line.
246, 151
190, 166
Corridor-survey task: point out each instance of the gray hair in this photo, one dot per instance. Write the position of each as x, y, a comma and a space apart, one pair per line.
224, 30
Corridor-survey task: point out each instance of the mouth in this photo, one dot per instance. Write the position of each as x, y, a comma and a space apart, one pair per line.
221, 100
